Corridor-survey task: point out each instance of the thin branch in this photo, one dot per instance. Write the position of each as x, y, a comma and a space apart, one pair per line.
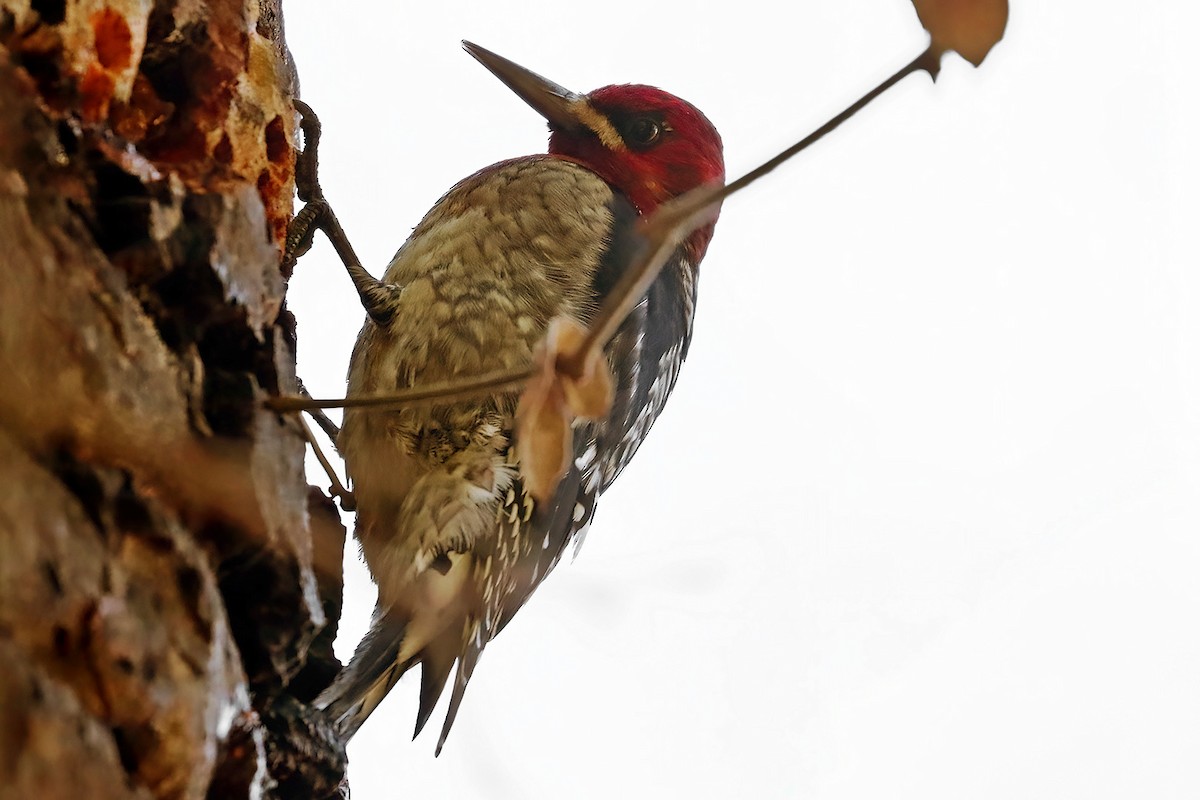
675, 220
323, 421
336, 488
442, 393
927, 61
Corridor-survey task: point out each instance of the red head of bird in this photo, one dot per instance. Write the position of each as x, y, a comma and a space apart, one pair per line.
647, 143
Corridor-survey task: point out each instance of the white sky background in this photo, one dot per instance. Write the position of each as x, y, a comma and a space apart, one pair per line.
922, 519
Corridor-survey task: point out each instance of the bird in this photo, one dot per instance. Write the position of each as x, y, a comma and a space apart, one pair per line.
452, 538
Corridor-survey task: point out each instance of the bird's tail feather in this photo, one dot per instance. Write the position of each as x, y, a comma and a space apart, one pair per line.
437, 660
361, 686
471, 651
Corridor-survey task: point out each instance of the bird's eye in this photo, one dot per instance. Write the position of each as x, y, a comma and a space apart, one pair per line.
643, 131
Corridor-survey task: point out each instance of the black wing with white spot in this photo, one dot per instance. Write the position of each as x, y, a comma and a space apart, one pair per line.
509, 567
646, 355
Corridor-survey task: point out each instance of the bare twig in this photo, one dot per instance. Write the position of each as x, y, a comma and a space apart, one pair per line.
446, 392
336, 488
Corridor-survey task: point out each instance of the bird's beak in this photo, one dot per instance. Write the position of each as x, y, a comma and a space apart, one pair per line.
559, 106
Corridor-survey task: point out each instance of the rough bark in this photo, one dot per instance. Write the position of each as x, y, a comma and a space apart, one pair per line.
168, 582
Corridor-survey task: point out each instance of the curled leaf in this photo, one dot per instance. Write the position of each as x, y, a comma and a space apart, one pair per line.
970, 28
590, 395
543, 435
553, 399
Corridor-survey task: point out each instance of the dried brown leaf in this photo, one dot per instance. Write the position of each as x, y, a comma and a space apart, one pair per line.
590, 395
970, 28
552, 400
543, 436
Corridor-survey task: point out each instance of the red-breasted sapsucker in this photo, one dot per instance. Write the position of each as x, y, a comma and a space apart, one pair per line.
454, 542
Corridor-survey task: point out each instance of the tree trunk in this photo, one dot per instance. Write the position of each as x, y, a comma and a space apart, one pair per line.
169, 584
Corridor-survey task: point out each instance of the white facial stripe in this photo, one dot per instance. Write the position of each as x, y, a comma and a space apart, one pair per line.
596, 122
